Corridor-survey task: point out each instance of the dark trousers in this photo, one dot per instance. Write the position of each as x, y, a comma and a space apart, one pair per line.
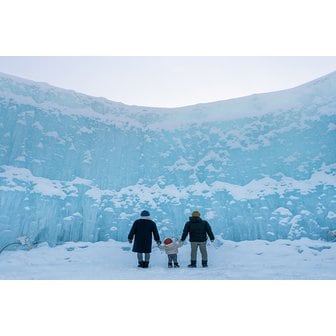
140, 256
172, 258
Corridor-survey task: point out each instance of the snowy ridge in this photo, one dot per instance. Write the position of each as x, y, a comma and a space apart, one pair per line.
69, 102
21, 179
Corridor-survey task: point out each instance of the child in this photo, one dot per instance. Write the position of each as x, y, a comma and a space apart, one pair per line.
171, 248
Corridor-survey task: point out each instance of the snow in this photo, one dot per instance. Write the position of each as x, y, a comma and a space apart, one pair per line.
331, 215
253, 190
282, 259
331, 127
73, 103
282, 212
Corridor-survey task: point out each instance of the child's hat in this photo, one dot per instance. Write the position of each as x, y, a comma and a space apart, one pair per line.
167, 241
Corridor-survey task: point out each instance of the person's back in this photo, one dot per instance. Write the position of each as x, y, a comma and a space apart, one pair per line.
142, 231
198, 230
171, 246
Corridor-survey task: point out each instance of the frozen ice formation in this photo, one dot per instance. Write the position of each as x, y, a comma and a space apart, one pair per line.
81, 168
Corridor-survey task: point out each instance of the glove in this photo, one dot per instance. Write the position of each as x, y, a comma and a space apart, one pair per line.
130, 241
158, 242
212, 241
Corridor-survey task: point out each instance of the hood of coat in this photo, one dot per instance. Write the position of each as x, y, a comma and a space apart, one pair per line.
145, 217
195, 219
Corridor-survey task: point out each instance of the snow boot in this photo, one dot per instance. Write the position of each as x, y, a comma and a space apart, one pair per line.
145, 264
192, 264
141, 264
170, 265
176, 265
204, 263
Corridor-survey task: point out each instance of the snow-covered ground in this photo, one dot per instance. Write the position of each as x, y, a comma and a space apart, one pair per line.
281, 259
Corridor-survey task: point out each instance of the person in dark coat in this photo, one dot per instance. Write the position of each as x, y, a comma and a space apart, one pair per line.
198, 230
142, 231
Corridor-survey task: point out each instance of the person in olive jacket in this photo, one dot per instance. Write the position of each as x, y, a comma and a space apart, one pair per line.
142, 231
198, 230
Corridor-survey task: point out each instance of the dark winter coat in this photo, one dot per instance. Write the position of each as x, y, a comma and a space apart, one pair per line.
197, 229
142, 231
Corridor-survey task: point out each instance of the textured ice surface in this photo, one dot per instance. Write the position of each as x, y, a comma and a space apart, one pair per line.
74, 167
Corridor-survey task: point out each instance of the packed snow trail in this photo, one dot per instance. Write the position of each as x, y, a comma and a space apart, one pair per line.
247, 260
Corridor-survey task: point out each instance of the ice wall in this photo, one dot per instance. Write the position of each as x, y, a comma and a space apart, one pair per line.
74, 167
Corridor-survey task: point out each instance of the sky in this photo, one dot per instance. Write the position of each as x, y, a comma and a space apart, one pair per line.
172, 81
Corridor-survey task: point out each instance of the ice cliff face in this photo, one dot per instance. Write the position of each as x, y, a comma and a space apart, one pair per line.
74, 167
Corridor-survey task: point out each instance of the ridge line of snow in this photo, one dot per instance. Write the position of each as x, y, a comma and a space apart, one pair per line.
54, 87
252, 190
70, 102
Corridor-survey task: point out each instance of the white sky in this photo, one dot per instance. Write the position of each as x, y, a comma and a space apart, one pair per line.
170, 81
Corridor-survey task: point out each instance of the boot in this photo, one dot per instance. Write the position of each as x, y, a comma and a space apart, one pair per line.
204, 263
170, 265
192, 264
141, 264
145, 264
176, 265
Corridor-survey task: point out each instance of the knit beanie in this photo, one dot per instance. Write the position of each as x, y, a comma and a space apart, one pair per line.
144, 213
